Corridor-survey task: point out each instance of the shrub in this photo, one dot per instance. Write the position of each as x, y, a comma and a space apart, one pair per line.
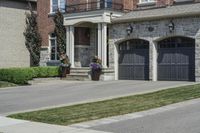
22, 75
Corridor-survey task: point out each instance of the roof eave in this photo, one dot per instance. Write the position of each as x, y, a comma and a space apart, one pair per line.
150, 18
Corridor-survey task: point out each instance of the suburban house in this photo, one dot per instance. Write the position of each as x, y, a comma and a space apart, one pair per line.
13, 51
136, 39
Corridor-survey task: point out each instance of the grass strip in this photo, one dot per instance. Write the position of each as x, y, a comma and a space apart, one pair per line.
119, 106
6, 84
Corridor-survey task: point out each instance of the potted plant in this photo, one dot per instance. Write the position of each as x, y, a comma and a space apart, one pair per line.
65, 65
96, 68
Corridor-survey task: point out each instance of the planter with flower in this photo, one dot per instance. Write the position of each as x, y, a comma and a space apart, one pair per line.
65, 65
96, 68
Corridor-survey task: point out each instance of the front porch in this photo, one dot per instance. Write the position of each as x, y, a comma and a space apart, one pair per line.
84, 41
86, 37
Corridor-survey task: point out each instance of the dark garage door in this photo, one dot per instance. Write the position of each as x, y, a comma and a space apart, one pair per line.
134, 60
176, 59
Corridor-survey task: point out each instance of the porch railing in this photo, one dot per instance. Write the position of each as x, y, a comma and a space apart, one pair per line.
92, 6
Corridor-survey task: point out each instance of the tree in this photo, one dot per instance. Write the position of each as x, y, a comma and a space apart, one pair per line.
60, 32
32, 37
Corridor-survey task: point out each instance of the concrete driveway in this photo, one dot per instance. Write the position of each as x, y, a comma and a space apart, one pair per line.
59, 93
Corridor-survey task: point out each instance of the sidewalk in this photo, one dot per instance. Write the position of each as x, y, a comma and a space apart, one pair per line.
8, 125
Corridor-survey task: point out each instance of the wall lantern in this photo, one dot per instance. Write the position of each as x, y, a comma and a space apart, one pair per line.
129, 29
171, 26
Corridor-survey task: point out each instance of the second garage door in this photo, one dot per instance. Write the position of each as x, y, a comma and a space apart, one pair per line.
176, 59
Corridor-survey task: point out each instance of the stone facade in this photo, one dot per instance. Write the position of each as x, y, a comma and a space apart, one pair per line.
186, 27
13, 51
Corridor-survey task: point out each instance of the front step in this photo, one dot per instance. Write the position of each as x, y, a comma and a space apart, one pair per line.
83, 74
78, 77
79, 74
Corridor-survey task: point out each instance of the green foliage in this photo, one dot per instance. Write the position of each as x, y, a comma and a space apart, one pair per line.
22, 75
32, 37
45, 72
60, 32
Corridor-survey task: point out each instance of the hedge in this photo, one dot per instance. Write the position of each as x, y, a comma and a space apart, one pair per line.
23, 75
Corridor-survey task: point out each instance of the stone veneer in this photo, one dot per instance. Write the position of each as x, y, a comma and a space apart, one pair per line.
188, 27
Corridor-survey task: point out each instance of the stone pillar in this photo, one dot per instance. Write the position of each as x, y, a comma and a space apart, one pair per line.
102, 43
70, 44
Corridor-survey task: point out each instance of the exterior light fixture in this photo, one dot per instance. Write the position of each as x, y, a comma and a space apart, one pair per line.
171, 26
129, 29
150, 29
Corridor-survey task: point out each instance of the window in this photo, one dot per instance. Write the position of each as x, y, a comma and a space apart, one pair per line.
109, 4
147, 1
58, 4
53, 47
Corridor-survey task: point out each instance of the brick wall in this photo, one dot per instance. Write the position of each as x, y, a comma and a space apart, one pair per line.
45, 23
129, 4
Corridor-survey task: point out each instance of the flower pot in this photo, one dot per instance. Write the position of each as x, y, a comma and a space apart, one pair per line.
64, 71
68, 70
95, 75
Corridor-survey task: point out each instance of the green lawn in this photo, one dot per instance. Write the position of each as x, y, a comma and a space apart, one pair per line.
96, 110
6, 84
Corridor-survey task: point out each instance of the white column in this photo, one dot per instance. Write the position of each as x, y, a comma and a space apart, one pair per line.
99, 41
67, 42
70, 44
116, 62
104, 45
154, 61
71, 31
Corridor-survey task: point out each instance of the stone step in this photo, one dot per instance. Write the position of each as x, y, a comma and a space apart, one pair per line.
79, 71
83, 74
79, 77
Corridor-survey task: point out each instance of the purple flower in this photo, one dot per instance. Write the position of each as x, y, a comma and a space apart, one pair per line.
95, 66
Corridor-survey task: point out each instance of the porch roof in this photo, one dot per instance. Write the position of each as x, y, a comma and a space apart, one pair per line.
160, 13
